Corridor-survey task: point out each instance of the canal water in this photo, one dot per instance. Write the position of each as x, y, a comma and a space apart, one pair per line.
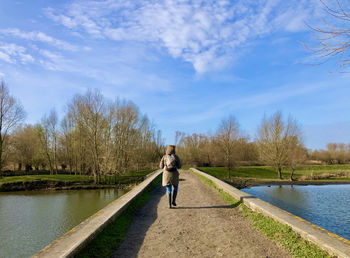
31, 220
327, 206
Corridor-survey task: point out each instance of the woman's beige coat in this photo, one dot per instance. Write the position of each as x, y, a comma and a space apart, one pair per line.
170, 177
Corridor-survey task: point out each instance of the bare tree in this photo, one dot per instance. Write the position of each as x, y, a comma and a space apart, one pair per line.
125, 134
78, 139
158, 143
67, 141
341, 153
107, 147
11, 114
332, 150
179, 137
47, 133
276, 140
297, 154
333, 38
190, 148
226, 138
89, 114
205, 147
24, 145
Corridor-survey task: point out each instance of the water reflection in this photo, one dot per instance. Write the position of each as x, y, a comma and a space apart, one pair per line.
31, 220
327, 206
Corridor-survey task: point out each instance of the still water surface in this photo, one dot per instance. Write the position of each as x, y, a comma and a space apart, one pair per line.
31, 220
327, 206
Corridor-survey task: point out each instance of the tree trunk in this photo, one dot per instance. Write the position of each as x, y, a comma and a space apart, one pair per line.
95, 177
50, 163
1, 163
279, 172
209, 161
291, 175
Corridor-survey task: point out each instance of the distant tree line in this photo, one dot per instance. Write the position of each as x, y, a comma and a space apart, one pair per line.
96, 136
336, 153
278, 143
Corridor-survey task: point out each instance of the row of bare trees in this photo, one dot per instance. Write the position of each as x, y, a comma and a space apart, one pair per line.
95, 136
98, 137
278, 143
336, 153
226, 147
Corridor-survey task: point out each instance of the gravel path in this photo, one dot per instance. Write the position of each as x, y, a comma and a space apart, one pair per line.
202, 225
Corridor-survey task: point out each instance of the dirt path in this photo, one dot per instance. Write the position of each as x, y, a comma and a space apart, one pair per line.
202, 225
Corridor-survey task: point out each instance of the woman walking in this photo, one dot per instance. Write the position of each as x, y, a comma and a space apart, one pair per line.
170, 164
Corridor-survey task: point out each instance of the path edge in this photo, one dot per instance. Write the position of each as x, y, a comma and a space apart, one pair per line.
74, 240
326, 240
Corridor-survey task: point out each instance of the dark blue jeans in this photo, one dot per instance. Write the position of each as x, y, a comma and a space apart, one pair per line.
168, 188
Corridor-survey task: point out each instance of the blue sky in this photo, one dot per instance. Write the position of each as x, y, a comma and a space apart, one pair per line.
186, 64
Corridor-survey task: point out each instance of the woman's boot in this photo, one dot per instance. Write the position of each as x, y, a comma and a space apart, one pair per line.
169, 196
174, 197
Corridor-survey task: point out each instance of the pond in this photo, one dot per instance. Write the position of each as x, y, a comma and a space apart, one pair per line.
327, 206
31, 220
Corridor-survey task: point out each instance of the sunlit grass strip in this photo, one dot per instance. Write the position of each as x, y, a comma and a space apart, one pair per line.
266, 172
109, 239
128, 178
59, 178
276, 231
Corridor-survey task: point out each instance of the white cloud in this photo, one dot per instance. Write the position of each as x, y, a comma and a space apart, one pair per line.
206, 34
51, 55
5, 57
15, 54
39, 36
52, 61
12, 53
65, 20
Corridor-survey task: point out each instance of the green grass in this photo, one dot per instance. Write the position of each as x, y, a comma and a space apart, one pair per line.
109, 239
326, 168
340, 179
316, 169
266, 172
59, 178
276, 231
261, 172
284, 235
128, 178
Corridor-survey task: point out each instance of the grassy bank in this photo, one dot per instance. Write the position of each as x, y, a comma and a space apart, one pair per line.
33, 182
58, 178
256, 175
282, 234
107, 241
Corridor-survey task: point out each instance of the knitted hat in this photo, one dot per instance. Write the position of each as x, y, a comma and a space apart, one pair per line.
170, 149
